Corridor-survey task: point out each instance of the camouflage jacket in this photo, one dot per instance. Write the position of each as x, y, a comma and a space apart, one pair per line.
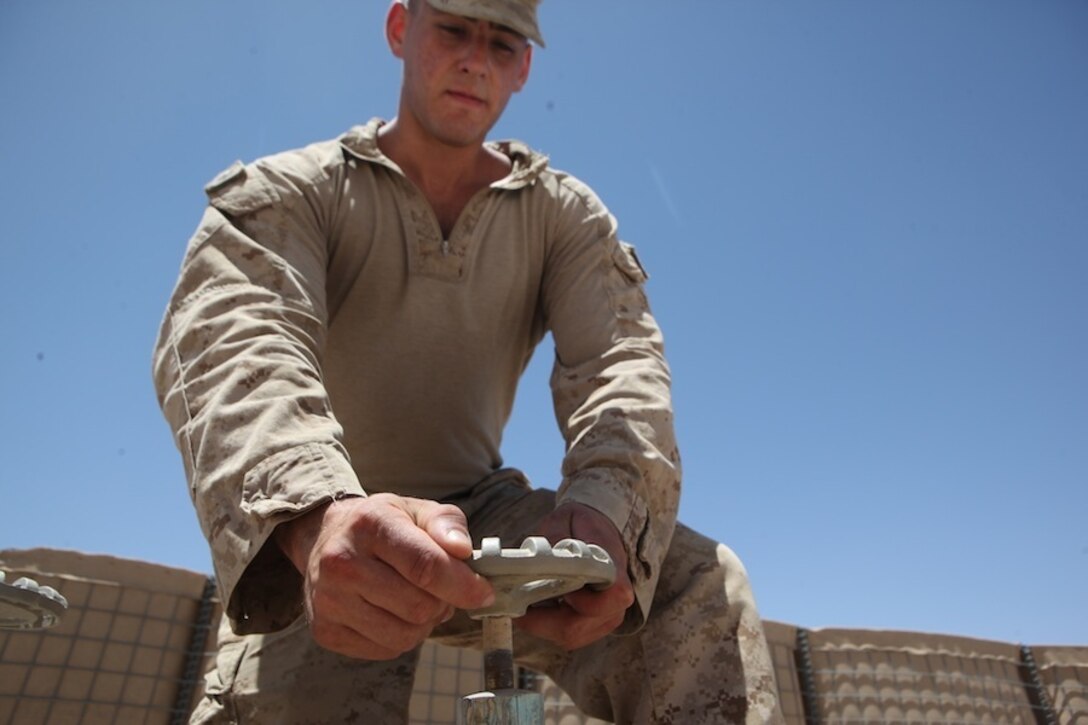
324, 341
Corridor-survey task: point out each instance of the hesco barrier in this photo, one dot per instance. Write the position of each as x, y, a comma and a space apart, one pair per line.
137, 638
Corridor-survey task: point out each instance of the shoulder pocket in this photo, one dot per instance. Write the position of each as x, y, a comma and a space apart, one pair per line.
627, 261
240, 189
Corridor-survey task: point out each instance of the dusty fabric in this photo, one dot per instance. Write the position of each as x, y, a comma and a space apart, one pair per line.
701, 658
519, 15
325, 339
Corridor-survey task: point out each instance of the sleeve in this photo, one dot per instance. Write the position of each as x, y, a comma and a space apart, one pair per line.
611, 389
237, 370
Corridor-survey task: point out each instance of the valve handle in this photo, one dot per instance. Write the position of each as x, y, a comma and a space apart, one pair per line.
25, 604
538, 571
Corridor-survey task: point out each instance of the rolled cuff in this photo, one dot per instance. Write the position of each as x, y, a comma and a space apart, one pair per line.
261, 587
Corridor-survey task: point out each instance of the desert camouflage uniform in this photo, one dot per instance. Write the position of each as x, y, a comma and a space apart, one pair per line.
325, 340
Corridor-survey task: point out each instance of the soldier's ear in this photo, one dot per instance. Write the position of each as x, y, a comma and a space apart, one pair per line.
396, 24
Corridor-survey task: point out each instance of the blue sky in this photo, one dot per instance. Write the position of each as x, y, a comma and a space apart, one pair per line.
866, 225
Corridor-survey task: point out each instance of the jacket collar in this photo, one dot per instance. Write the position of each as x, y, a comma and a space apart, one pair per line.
526, 165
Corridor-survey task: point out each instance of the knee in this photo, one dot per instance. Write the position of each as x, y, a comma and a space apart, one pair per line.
701, 569
738, 588
728, 559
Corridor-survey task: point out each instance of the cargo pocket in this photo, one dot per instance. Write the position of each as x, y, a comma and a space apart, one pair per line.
217, 705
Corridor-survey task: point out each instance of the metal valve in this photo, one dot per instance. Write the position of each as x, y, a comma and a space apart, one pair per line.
523, 577
538, 571
25, 604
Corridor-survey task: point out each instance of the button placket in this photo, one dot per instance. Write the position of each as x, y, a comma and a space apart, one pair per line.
434, 255
428, 251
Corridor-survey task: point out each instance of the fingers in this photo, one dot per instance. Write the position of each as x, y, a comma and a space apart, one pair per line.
581, 617
603, 604
383, 571
361, 607
372, 634
421, 554
584, 616
567, 627
411, 606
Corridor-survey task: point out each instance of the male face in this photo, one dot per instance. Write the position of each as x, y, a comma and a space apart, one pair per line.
459, 72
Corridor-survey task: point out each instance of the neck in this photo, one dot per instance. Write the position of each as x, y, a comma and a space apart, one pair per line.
434, 166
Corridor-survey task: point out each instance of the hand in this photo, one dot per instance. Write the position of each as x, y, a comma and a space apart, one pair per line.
381, 572
584, 616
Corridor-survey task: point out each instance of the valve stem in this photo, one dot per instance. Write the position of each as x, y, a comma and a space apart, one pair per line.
498, 641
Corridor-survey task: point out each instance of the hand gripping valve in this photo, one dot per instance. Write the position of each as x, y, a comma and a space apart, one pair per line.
522, 577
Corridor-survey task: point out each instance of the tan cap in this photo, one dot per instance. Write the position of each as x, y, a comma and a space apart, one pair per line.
519, 15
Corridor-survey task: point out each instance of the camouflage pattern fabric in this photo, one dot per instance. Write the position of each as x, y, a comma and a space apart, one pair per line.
701, 657
325, 332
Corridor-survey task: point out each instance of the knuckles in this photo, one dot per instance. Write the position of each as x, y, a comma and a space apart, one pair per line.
325, 634
336, 562
424, 566
407, 639
333, 570
380, 643
336, 566
423, 612
587, 632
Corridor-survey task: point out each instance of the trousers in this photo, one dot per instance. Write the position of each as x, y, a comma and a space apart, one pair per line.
700, 657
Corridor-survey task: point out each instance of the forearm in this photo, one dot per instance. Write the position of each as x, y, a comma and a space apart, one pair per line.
623, 461
611, 390
237, 372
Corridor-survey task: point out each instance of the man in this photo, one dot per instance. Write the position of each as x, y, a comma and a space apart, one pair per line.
338, 361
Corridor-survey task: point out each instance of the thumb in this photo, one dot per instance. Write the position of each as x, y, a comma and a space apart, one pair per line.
446, 524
